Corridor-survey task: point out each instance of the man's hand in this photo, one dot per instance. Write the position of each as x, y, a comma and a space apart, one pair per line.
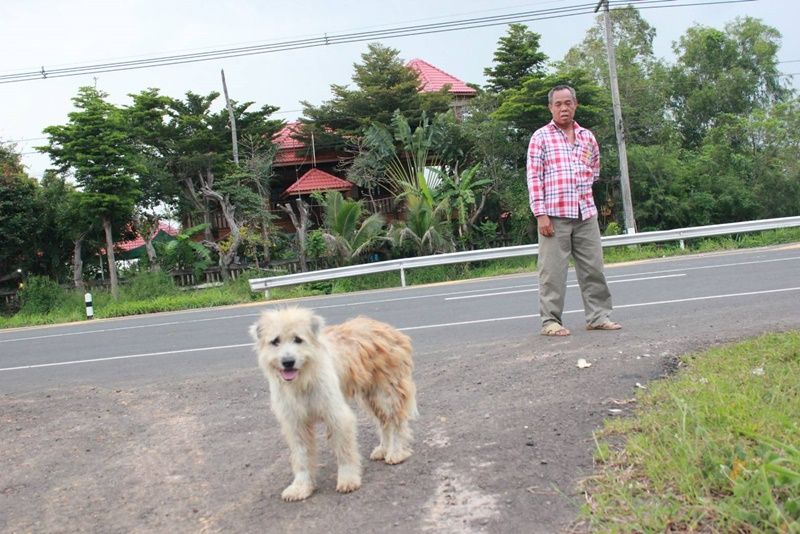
545, 226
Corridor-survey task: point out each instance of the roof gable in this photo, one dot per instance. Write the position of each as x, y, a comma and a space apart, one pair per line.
434, 79
317, 180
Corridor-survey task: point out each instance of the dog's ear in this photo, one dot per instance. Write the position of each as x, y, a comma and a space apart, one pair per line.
317, 323
255, 331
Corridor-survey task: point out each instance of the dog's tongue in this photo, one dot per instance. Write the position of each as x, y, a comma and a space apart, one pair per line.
288, 374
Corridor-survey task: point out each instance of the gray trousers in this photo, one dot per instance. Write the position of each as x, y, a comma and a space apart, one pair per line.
581, 239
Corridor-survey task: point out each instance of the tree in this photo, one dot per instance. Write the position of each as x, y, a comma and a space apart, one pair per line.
460, 192
63, 229
194, 143
95, 145
348, 234
526, 107
383, 85
516, 59
733, 71
642, 77
424, 229
18, 208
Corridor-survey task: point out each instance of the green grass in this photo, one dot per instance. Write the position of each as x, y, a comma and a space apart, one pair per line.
713, 449
150, 294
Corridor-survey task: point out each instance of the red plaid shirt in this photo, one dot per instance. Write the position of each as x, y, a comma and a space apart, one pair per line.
560, 175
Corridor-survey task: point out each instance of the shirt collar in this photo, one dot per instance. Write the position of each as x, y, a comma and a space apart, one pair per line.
576, 127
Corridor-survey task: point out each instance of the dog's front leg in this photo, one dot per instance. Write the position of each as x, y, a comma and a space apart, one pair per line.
342, 428
303, 448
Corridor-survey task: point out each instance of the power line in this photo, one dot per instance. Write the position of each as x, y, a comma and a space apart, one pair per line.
342, 38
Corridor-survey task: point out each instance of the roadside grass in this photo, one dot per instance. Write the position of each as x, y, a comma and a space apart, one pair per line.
712, 449
151, 294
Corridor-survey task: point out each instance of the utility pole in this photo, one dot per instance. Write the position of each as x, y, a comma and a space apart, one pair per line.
232, 119
624, 179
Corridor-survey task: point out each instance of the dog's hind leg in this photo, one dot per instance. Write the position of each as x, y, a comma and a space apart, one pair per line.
342, 429
303, 448
379, 452
398, 442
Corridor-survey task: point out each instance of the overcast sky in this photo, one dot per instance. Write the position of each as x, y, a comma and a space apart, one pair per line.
57, 33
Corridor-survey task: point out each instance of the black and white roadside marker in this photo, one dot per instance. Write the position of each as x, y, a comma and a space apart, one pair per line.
89, 309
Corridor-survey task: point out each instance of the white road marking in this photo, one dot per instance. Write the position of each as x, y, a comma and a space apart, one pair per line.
497, 293
126, 357
377, 301
405, 329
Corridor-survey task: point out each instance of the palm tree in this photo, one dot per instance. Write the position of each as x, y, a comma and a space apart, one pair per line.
347, 234
458, 193
425, 227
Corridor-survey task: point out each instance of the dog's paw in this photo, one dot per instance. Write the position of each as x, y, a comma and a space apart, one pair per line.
348, 479
348, 484
398, 456
297, 492
378, 453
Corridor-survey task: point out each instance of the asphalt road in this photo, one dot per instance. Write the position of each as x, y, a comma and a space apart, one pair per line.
709, 289
506, 428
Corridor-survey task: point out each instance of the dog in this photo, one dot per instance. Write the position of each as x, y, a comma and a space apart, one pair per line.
313, 370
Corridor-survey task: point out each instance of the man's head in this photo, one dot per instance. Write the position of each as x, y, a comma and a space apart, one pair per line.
562, 102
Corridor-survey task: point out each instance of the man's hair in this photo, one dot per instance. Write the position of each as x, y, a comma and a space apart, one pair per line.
561, 88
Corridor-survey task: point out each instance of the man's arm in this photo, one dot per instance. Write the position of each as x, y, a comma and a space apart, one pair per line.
595, 161
535, 175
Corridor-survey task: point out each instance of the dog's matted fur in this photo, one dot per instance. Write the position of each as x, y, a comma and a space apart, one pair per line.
312, 370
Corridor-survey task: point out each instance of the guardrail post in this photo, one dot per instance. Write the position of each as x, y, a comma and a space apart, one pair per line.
402, 277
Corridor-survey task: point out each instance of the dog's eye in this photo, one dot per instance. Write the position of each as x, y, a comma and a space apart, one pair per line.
276, 341
297, 339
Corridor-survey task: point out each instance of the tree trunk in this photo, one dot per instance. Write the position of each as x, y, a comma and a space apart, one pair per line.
226, 257
199, 204
151, 255
300, 229
265, 238
112, 264
77, 263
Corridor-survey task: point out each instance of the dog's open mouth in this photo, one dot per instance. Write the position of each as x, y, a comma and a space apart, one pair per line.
289, 374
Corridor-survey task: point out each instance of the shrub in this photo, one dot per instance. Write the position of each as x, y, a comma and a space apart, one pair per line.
612, 229
145, 285
39, 294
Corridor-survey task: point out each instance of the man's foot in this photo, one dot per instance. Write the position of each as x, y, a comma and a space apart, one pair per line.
555, 330
606, 325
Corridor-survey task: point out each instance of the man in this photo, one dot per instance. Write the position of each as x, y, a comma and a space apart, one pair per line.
563, 162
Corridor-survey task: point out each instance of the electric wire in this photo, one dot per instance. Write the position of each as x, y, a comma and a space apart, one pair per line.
341, 38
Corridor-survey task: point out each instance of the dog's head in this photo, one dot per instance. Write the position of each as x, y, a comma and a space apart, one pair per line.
286, 341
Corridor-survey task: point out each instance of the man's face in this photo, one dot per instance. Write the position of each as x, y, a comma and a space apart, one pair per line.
563, 108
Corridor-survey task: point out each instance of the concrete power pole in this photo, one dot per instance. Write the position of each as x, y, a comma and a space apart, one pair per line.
232, 119
625, 184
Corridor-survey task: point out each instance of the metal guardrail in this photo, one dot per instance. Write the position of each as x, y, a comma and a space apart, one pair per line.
680, 234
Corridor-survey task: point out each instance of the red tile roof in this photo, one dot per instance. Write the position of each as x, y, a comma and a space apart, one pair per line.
288, 146
434, 78
139, 241
317, 180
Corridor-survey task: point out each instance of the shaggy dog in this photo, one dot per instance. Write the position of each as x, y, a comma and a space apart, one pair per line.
312, 370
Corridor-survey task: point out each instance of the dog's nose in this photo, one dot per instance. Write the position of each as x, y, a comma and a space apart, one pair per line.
288, 363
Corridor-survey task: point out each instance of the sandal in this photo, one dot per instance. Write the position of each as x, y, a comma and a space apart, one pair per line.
554, 330
608, 325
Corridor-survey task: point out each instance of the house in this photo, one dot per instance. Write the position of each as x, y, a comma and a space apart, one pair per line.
135, 248
302, 169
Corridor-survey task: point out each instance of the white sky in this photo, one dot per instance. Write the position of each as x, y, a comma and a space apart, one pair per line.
53, 33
